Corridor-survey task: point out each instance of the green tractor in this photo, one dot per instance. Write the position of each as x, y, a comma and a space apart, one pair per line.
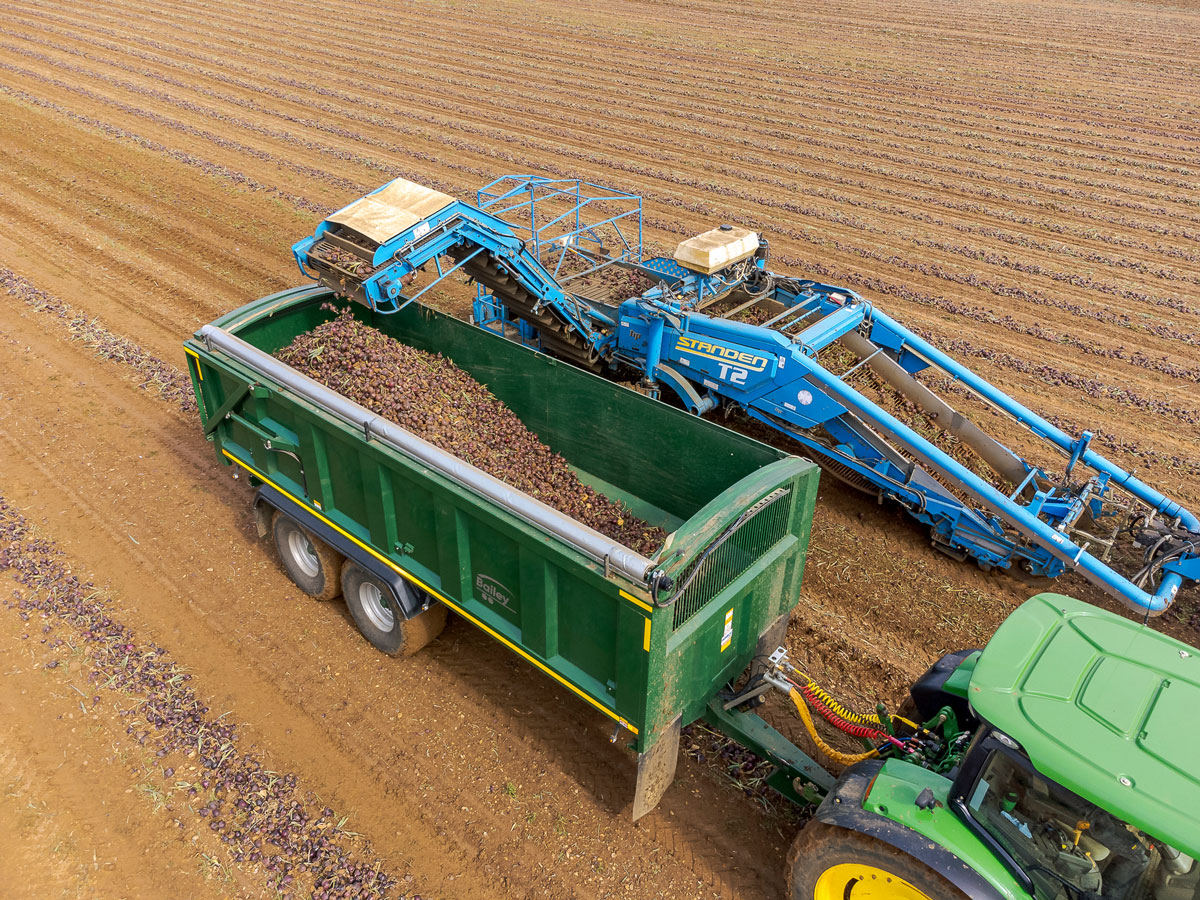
1062, 762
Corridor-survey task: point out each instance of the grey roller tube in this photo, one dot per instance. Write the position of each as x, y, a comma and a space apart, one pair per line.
633, 566
941, 413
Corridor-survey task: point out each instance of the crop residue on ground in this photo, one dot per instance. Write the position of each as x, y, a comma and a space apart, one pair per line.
266, 821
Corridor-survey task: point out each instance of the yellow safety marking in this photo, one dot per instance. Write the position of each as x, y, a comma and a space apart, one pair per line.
634, 600
727, 636
646, 637
199, 369
442, 597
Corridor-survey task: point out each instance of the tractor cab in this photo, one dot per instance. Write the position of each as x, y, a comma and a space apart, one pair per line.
1083, 777
1060, 845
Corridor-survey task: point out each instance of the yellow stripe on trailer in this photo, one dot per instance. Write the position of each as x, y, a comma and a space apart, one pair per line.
316, 512
646, 638
455, 606
635, 601
199, 369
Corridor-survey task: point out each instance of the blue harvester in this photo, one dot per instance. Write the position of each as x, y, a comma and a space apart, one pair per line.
715, 329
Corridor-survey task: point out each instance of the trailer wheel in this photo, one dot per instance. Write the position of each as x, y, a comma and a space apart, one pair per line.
373, 608
831, 863
311, 563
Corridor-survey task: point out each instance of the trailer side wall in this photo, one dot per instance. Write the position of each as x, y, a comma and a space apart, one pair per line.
602, 637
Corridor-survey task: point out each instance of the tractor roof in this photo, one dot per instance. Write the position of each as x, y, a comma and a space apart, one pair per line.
1105, 706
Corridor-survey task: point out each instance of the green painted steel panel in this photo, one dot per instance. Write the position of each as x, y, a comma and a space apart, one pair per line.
894, 794
640, 446
1104, 705
595, 633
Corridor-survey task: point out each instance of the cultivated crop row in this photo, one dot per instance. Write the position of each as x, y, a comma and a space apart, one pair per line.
1115, 288
550, 54
838, 142
808, 210
1057, 377
208, 167
152, 373
275, 51
207, 777
935, 210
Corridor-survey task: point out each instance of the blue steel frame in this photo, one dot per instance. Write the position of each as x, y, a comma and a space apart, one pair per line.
451, 230
790, 390
772, 372
553, 216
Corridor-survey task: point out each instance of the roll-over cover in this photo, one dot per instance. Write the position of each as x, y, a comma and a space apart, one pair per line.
391, 210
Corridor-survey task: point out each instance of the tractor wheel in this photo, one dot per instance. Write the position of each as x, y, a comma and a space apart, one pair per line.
831, 863
908, 709
311, 563
373, 608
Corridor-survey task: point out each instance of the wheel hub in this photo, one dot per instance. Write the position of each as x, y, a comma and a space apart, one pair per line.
853, 881
304, 554
376, 606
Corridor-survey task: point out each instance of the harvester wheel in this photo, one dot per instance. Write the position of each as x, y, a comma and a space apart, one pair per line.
374, 611
311, 563
831, 863
1021, 572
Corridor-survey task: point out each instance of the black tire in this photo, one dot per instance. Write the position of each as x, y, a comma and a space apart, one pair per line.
373, 608
908, 709
828, 862
312, 564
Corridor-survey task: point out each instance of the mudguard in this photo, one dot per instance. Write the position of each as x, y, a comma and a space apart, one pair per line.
843, 807
656, 770
656, 767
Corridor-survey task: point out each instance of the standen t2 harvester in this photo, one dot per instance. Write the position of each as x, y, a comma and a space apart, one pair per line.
718, 330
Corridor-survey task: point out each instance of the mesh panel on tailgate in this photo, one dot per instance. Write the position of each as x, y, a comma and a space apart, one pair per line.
741, 545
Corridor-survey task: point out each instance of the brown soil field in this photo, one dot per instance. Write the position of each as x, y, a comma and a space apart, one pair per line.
1017, 180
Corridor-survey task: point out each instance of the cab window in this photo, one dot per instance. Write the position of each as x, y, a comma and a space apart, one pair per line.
1069, 847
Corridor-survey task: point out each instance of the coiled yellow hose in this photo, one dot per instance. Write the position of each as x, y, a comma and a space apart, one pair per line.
821, 694
871, 720
845, 759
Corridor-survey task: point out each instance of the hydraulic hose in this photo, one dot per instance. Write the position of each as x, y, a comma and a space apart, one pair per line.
822, 700
845, 759
818, 695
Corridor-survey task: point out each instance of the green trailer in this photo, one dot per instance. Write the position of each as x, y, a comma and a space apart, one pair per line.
647, 642
1058, 763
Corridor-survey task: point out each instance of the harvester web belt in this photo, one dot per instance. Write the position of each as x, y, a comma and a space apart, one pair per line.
556, 339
